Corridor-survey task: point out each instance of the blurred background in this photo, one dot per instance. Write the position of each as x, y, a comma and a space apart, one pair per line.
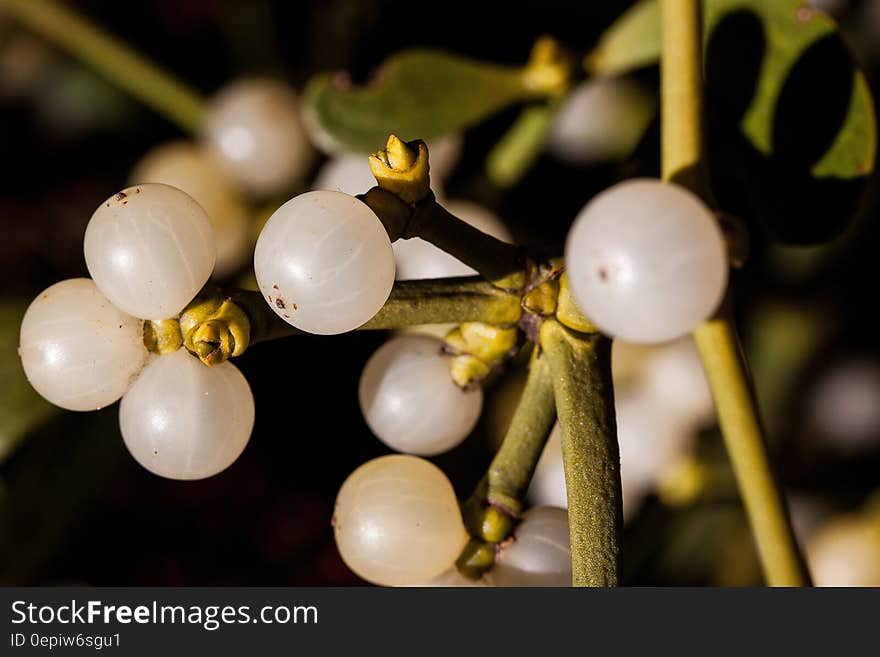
76, 508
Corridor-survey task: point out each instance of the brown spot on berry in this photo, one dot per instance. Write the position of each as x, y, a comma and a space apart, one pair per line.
279, 302
603, 274
295, 307
120, 195
276, 287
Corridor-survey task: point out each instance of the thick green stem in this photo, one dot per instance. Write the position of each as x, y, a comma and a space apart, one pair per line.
514, 464
684, 161
110, 57
437, 301
581, 371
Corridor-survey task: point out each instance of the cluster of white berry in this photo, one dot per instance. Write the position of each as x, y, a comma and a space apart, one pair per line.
149, 250
646, 260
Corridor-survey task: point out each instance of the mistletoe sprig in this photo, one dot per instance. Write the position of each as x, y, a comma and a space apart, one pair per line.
645, 261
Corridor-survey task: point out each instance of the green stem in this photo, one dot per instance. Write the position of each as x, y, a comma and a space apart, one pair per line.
684, 161
581, 371
110, 57
437, 301
494, 260
512, 157
727, 371
514, 464
681, 104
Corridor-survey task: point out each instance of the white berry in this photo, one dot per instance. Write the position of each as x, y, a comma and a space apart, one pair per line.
844, 408
845, 551
675, 380
647, 261
602, 119
417, 259
78, 350
184, 420
324, 262
410, 401
150, 249
348, 173
253, 126
443, 155
397, 521
540, 554
191, 169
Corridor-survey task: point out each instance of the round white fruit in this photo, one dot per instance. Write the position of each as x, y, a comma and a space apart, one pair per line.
397, 521
647, 261
846, 551
410, 401
150, 249
253, 127
78, 350
324, 262
540, 554
602, 119
184, 420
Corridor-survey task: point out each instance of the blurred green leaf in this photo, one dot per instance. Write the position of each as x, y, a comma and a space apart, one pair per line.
781, 340
21, 408
418, 94
781, 74
630, 43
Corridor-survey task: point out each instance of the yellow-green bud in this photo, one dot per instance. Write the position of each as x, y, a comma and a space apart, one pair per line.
549, 68
402, 169
215, 329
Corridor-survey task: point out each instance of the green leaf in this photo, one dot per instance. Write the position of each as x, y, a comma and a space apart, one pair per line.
632, 41
779, 73
21, 408
418, 94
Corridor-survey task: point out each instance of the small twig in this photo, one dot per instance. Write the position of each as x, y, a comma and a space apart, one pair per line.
437, 301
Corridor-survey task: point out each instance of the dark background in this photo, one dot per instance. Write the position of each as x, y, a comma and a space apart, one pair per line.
77, 508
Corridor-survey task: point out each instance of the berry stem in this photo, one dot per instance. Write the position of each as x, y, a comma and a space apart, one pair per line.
140, 77
496, 261
684, 162
580, 365
514, 464
436, 301
497, 500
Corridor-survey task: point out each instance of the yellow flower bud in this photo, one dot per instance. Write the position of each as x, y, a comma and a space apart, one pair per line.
402, 169
549, 68
466, 369
215, 329
487, 342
